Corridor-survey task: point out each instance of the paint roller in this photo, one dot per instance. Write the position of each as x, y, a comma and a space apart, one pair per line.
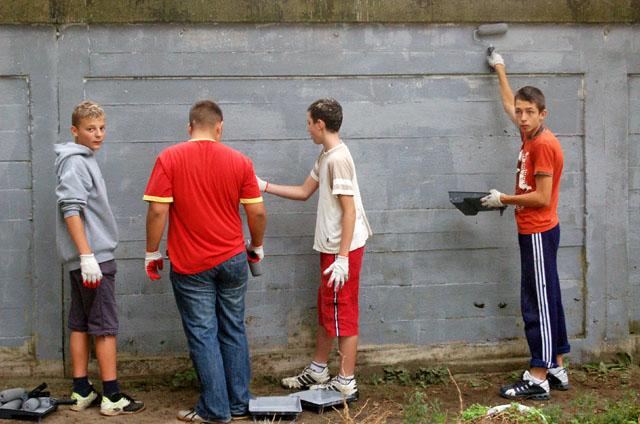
489, 30
12, 394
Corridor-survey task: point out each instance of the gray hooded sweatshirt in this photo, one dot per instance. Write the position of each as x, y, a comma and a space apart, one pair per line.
81, 191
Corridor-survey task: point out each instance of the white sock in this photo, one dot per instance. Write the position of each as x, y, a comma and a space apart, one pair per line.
556, 370
317, 366
345, 380
536, 380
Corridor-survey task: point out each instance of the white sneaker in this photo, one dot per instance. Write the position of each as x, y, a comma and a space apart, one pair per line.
83, 402
120, 404
349, 390
191, 416
558, 378
306, 378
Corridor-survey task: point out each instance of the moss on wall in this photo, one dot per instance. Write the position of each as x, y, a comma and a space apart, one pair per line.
318, 11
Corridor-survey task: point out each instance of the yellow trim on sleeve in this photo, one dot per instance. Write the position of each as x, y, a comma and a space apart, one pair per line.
157, 199
249, 201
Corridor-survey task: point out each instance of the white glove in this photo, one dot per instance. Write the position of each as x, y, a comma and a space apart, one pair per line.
339, 270
262, 184
492, 200
257, 250
91, 274
495, 59
152, 264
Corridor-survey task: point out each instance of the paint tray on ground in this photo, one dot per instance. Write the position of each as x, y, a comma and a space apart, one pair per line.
19, 414
275, 406
468, 202
318, 400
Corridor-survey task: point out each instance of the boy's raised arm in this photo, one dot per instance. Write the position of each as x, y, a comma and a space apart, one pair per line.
299, 192
496, 62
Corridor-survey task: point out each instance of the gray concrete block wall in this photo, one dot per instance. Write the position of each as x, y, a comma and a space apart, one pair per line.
15, 212
422, 116
634, 202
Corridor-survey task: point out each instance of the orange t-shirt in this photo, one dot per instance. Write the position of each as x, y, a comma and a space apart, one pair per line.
205, 182
540, 155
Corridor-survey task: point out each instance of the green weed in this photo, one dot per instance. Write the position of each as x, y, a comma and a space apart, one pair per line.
419, 410
184, 379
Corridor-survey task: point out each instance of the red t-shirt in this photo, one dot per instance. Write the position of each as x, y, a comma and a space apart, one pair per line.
540, 155
205, 181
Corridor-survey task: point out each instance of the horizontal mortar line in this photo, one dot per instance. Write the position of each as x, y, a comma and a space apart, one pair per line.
366, 50
399, 138
88, 78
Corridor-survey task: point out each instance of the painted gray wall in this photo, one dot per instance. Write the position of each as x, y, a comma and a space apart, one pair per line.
422, 116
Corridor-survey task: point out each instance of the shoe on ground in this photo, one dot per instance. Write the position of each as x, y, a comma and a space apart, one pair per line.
191, 416
306, 378
349, 390
558, 378
120, 404
83, 402
526, 389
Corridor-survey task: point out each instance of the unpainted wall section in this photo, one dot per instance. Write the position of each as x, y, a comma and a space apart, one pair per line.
634, 202
15, 211
422, 116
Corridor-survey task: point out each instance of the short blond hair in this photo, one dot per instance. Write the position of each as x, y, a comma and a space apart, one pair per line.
86, 109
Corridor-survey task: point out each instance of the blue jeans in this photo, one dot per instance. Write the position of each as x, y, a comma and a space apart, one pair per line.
211, 305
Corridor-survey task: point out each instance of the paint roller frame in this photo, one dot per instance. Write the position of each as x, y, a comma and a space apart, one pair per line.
486, 30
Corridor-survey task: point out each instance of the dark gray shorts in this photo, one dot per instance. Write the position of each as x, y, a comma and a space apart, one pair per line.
93, 311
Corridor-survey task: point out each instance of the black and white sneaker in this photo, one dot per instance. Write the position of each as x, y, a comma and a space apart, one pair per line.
526, 389
306, 378
349, 390
558, 378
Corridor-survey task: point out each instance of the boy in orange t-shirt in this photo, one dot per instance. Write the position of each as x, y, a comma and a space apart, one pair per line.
536, 201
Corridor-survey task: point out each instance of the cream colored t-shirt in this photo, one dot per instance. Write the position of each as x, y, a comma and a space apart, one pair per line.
336, 174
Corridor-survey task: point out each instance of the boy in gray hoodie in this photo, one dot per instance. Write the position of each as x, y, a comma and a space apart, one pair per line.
87, 239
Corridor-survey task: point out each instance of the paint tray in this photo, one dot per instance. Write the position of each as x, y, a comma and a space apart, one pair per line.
275, 406
318, 400
468, 202
19, 414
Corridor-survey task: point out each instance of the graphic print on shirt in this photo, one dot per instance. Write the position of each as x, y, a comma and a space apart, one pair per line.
522, 174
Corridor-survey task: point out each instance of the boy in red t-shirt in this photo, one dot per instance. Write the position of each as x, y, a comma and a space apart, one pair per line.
536, 201
198, 186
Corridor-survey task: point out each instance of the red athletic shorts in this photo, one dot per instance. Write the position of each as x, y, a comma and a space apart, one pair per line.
338, 311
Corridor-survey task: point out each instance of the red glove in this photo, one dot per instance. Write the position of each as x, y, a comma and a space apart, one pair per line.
152, 263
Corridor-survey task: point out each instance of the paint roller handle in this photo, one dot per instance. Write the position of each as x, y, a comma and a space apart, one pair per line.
55, 401
37, 391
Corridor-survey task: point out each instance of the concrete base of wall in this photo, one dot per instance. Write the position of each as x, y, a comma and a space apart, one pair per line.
459, 357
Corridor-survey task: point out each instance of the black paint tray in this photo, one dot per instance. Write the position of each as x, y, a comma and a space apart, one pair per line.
19, 414
318, 400
468, 202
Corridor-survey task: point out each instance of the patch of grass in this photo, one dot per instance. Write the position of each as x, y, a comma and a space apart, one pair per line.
422, 377
184, 379
419, 410
600, 370
553, 413
399, 375
474, 412
477, 414
425, 377
478, 383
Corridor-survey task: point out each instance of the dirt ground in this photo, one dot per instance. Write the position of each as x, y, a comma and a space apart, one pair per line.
383, 394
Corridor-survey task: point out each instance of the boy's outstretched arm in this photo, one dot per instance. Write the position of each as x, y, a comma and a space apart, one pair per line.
299, 192
539, 198
496, 62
